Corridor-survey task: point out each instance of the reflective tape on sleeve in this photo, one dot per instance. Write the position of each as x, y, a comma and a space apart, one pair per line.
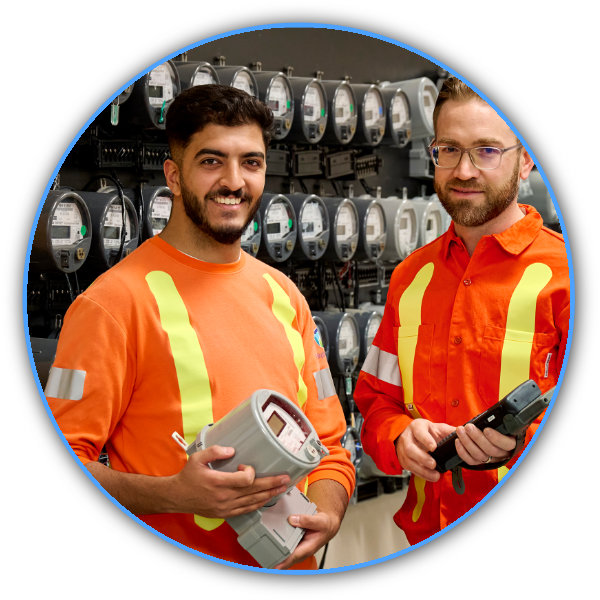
65, 384
383, 365
325, 385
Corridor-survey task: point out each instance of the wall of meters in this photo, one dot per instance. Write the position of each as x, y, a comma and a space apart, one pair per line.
63, 235
398, 124
343, 241
157, 203
279, 227
241, 78
275, 91
533, 191
422, 94
344, 341
429, 218
192, 74
252, 236
151, 96
310, 110
372, 227
402, 230
371, 114
108, 246
343, 116
313, 225
368, 323
323, 338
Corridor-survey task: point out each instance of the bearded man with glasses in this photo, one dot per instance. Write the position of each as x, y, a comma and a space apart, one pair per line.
468, 318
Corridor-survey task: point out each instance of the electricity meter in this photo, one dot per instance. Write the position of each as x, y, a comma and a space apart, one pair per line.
344, 341
368, 324
241, 78
371, 114
313, 225
310, 110
275, 91
402, 230
343, 240
422, 95
398, 128
279, 229
372, 228
252, 236
341, 125
351, 442
273, 436
63, 235
323, 339
112, 241
192, 74
151, 97
430, 219
157, 203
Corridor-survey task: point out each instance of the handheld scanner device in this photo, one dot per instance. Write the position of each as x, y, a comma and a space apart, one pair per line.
510, 416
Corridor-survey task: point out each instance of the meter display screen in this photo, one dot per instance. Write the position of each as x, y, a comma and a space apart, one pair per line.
346, 226
279, 221
347, 340
312, 220
243, 81
373, 108
344, 107
67, 224
289, 433
113, 223
374, 226
279, 97
314, 103
160, 86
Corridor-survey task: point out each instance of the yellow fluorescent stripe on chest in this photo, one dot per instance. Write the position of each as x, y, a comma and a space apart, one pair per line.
285, 313
520, 327
409, 315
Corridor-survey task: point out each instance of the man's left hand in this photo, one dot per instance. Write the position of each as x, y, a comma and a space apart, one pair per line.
478, 447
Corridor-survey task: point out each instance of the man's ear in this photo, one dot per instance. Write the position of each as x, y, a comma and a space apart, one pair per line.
171, 170
526, 164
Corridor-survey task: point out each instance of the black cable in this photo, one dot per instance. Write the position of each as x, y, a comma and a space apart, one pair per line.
70, 288
322, 563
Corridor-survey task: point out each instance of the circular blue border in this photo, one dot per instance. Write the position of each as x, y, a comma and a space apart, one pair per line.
298, 26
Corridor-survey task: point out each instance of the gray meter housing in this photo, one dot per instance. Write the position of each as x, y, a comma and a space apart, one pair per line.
239, 77
312, 218
341, 125
371, 114
309, 121
157, 202
274, 437
192, 74
279, 227
343, 240
271, 86
372, 228
252, 236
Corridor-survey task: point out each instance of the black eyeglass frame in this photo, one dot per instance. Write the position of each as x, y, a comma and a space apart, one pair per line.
433, 147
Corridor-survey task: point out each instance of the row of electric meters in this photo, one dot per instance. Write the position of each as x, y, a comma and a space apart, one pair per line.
305, 109
84, 229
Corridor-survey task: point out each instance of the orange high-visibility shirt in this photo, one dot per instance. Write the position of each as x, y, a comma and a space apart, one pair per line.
163, 342
459, 333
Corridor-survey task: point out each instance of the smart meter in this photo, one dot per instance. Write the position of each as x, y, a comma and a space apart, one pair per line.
110, 243
402, 230
323, 336
241, 78
343, 240
368, 324
151, 97
63, 235
341, 125
275, 91
422, 95
157, 202
279, 229
273, 436
310, 110
372, 228
344, 341
313, 225
430, 219
398, 128
252, 236
192, 74
371, 114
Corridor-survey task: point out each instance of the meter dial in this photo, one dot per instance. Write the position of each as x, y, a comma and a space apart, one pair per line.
275, 91
343, 216
398, 129
63, 236
157, 203
241, 78
341, 125
372, 227
422, 95
251, 236
371, 114
279, 229
402, 231
192, 74
344, 341
313, 225
310, 110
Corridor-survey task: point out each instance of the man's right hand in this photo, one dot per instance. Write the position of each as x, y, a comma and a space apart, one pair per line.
414, 444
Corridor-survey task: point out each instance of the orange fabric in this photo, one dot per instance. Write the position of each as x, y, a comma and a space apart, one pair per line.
131, 402
457, 358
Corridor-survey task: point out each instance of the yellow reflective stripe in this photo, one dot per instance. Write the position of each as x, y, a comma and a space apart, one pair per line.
190, 368
520, 327
285, 313
502, 471
409, 314
420, 489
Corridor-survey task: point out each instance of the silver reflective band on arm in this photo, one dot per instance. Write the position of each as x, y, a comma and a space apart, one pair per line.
382, 365
65, 384
325, 385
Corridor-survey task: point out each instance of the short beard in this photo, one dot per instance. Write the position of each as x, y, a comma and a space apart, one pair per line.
497, 200
227, 234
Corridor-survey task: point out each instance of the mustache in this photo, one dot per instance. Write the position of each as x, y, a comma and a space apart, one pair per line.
469, 184
224, 191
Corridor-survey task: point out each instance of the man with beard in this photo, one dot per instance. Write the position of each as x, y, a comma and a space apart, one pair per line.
186, 328
468, 318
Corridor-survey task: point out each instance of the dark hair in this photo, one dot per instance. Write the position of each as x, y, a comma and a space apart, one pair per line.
452, 89
202, 105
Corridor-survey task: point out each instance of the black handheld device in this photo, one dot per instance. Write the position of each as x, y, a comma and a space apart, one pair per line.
511, 416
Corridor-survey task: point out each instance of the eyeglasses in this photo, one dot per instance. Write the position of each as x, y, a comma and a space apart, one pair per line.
482, 157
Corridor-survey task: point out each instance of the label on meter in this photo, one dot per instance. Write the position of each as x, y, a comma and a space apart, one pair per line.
113, 223
287, 431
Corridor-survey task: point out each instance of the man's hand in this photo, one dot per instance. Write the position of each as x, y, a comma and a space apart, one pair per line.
414, 444
478, 447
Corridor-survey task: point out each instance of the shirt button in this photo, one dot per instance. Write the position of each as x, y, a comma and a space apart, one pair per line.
457, 340
454, 403
467, 282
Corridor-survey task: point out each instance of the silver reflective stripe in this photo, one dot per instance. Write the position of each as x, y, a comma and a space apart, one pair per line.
65, 384
382, 365
325, 385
